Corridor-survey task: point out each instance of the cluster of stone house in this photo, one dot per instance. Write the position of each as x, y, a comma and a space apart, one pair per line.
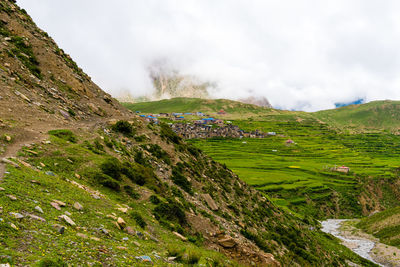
191, 131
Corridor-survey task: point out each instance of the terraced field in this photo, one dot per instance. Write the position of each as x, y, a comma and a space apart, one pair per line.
298, 176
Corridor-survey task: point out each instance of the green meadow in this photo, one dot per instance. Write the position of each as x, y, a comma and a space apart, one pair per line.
299, 176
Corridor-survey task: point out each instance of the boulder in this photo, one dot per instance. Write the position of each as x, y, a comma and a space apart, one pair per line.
181, 237
121, 222
78, 206
55, 205
210, 202
16, 215
227, 242
60, 203
67, 219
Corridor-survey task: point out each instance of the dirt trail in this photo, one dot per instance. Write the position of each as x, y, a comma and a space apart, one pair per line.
34, 134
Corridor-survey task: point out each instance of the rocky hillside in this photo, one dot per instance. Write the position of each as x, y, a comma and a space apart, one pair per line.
85, 182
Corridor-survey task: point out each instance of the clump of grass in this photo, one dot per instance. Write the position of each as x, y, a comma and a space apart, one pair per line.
124, 127
50, 262
112, 167
131, 192
66, 135
138, 219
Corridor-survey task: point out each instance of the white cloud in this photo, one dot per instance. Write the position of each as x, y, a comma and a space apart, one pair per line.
300, 54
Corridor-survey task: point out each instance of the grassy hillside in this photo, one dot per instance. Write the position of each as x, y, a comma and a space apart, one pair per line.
373, 116
182, 104
384, 225
157, 184
299, 175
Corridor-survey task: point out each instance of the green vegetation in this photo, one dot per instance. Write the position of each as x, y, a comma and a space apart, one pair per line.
299, 176
384, 225
67, 135
124, 127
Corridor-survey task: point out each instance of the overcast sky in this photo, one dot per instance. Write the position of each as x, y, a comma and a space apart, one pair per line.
300, 54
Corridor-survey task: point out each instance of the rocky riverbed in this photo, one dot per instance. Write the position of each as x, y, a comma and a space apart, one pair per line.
362, 243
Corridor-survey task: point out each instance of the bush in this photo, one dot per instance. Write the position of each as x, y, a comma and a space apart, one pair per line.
167, 133
170, 211
154, 199
193, 257
158, 152
138, 174
124, 127
131, 192
66, 135
52, 263
112, 167
107, 181
139, 219
177, 252
180, 180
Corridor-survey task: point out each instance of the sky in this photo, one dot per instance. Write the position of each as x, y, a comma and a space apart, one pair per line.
299, 54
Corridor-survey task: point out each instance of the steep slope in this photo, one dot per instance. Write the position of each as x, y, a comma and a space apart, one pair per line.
372, 116
103, 191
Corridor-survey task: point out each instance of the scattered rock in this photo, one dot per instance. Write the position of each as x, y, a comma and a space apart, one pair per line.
50, 173
130, 230
95, 196
125, 239
67, 213
136, 243
105, 231
121, 222
181, 237
64, 114
12, 197
95, 238
117, 225
122, 248
210, 202
67, 219
24, 97
123, 210
4, 160
60, 203
82, 235
14, 226
55, 205
111, 216
144, 258
26, 164
32, 152
8, 138
60, 229
227, 242
2, 189
42, 164
5, 265
16, 215
35, 182
36, 217
77, 176
171, 258
39, 209
78, 206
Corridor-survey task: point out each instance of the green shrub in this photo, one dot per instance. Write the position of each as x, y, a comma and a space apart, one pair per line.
131, 192
124, 127
179, 179
138, 174
140, 138
158, 152
170, 211
112, 167
139, 219
23, 51
107, 181
193, 257
177, 252
65, 135
154, 199
52, 263
167, 133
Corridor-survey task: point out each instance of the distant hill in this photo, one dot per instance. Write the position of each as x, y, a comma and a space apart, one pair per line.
182, 104
372, 116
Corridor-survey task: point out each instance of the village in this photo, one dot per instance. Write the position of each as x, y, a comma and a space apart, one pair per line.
206, 127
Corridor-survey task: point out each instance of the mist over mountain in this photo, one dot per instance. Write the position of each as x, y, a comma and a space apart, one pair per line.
300, 56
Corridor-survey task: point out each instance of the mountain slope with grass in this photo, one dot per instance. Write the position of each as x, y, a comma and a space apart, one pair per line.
83, 181
212, 106
372, 116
